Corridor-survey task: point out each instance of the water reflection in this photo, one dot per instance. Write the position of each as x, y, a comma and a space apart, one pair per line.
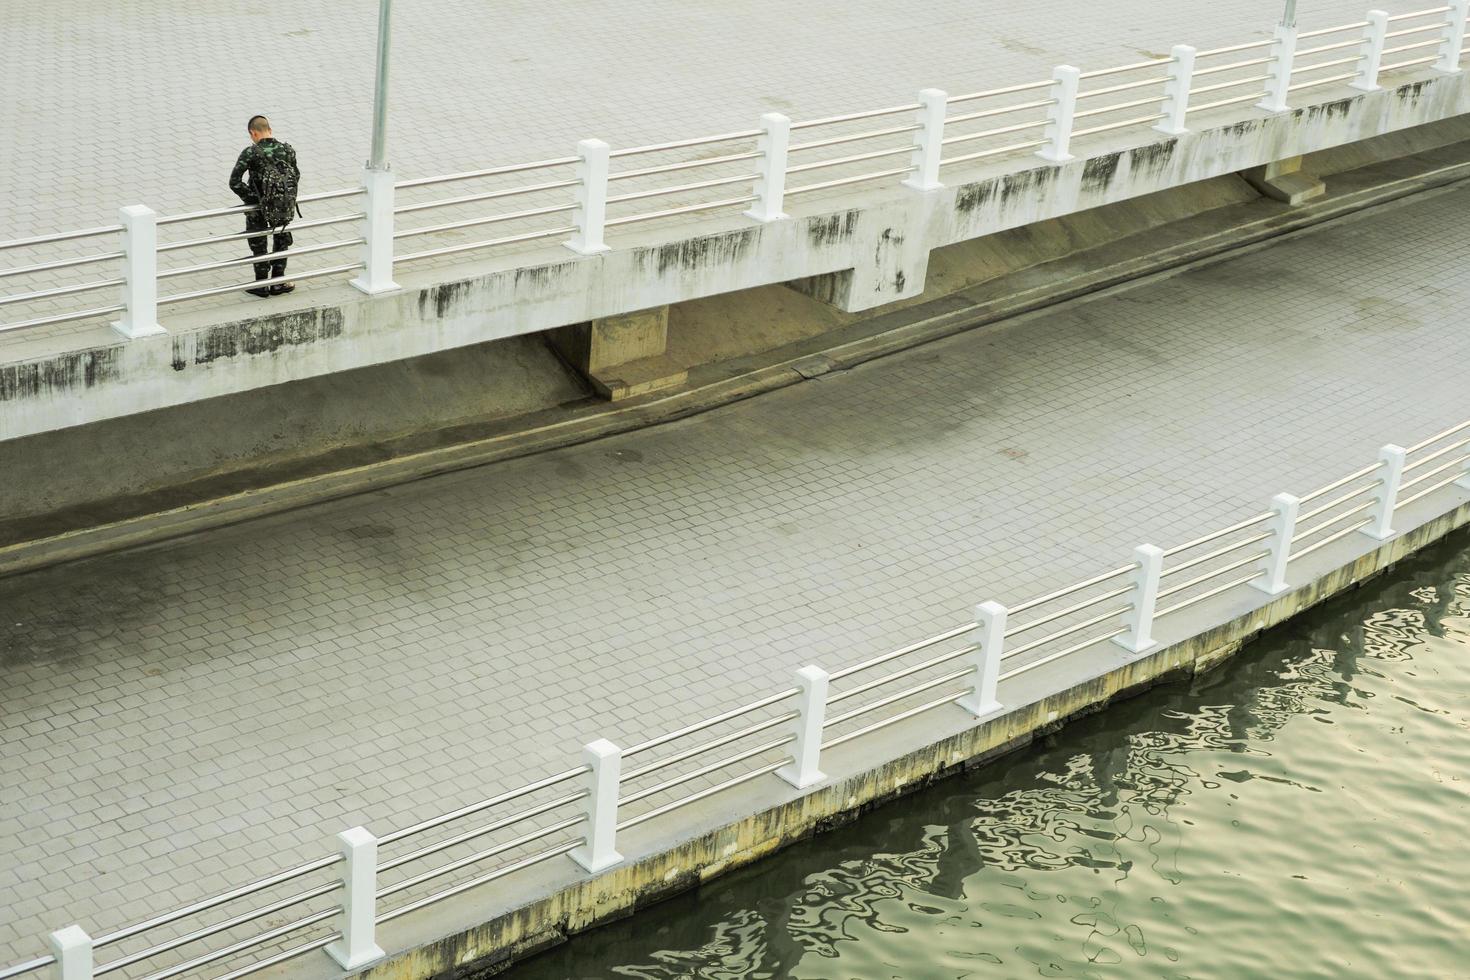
1297, 813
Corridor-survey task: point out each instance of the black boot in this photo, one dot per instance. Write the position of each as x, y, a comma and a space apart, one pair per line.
261, 273
278, 271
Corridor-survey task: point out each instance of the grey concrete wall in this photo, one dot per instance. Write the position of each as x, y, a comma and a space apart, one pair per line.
882, 243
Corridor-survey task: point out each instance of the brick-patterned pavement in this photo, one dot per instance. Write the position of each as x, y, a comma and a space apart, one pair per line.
182, 718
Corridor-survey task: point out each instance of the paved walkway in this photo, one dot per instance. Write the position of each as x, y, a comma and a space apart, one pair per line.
231, 701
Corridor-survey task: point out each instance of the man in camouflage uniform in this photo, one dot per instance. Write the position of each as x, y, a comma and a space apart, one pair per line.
264, 150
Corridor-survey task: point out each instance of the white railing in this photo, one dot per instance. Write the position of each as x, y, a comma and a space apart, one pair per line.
582, 811
577, 199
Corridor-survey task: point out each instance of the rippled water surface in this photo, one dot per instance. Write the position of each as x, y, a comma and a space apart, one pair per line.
1300, 812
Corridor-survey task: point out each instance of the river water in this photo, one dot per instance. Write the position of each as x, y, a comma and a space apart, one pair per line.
1300, 812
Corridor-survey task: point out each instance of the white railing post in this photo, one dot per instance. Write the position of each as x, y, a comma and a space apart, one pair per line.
1140, 615
358, 947
770, 185
1374, 36
599, 848
1064, 82
140, 273
1176, 90
1283, 53
989, 641
928, 141
1454, 38
72, 948
591, 210
1386, 497
1284, 509
806, 752
376, 277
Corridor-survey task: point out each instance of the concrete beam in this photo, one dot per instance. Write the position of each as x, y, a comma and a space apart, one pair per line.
1284, 180
623, 355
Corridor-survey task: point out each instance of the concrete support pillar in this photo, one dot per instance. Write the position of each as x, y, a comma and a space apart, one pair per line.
928, 141
72, 948
1284, 509
989, 642
590, 216
1176, 90
358, 947
1386, 497
140, 273
1284, 180
622, 355
806, 751
599, 848
770, 186
1140, 615
1064, 82
1374, 36
1278, 80
1454, 38
376, 277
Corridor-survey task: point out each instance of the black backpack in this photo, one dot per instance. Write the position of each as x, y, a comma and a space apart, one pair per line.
274, 182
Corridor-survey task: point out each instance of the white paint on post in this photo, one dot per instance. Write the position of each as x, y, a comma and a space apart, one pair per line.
591, 210
1140, 615
1278, 72
140, 273
1176, 90
376, 277
989, 642
1284, 508
1064, 82
358, 947
770, 185
806, 751
72, 948
928, 141
599, 848
1386, 497
1454, 38
1371, 57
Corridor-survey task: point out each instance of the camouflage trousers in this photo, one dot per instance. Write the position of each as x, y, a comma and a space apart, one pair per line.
271, 268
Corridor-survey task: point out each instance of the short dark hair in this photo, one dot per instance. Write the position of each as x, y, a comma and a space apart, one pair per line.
259, 124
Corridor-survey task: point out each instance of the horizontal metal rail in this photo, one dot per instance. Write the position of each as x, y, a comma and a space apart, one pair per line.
477, 246
450, 202
986, 134
1071, 589
703, 794
854, 158
281, 957
1217, 553
712, 744
1340, 499
1405, 32
1408, 64
174, 219
497, 800
1199, 580
256, 284
1104, 110
1216, 535
1430, 489
85, 287
42, 321
1232, 48
1431, 474
29, 270
853, 138
990, 93
1418, 13
1126, 86
1421, 461
705, 770
1432, 43
1234, 66
708, 723
1014, 147
1323, 31
884, 702
1355, 43
224, 952
483, 879
744, 134
668, 168
478, 856
686, 209
1002, 111
490, 828
1042, 661
897, 675
1303, 69
26, 967
1232, 83
61, 236
1136, 66
1329, 539
1037, 644
1063, 613
855, 116
842, 182
515, 168
894, 720
869, 664
245, 235
1324, 525
1218, 590
1442, 434
1138, 121
487, 220
265, 257
1344, 481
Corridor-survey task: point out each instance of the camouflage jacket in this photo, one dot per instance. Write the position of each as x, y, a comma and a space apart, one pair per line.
246, 164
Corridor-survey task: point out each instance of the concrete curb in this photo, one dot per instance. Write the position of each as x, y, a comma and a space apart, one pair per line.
709, 387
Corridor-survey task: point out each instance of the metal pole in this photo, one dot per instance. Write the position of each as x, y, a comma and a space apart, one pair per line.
1288, 18
378, 160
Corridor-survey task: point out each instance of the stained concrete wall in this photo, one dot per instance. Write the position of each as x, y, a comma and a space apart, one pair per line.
881, 245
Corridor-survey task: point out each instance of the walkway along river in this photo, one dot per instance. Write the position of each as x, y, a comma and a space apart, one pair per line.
1299, 812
